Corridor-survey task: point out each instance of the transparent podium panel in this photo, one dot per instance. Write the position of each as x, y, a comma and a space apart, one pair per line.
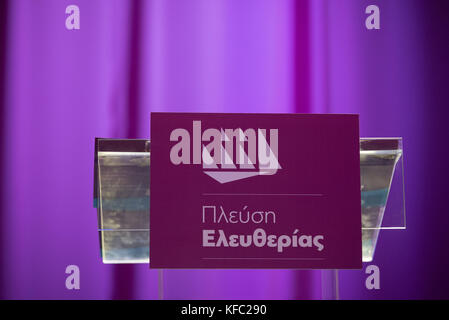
121, 196
379, 159
122, 199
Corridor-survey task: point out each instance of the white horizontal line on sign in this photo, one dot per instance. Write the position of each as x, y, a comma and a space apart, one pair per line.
265, 194
226, 258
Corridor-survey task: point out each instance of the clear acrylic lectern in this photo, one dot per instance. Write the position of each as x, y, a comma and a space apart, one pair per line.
122, 199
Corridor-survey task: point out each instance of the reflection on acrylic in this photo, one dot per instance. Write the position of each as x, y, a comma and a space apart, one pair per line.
123, 205
378, 159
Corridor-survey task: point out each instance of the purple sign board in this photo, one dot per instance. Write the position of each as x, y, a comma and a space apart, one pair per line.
255, 191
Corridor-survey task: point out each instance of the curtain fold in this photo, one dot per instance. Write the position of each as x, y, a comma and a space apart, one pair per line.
3, 79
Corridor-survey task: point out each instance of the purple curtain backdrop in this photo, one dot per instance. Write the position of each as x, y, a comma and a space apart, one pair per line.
59, 89
397, 79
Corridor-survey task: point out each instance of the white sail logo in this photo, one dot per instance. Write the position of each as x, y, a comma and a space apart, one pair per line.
227, 154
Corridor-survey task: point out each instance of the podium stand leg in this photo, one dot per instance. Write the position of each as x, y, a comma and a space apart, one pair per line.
329, 285
160, 284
